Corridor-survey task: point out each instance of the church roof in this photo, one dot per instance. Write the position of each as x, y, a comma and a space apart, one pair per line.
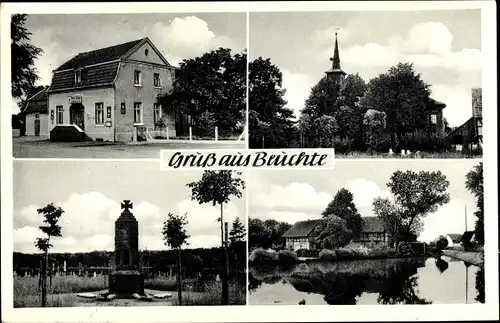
336, 60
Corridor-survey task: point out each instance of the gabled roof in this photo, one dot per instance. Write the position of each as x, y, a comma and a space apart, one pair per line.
98, 56
455, 237
37, 103
467, 236
373, 224
303, 229
98, 67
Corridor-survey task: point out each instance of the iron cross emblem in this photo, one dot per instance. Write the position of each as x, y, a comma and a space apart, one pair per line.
126, 204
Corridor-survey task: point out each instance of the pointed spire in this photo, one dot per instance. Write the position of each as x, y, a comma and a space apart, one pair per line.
336, 57
336, 73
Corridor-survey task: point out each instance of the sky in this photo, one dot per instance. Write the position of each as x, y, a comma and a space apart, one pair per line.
90, 193
293, 196
445, 47
177, 36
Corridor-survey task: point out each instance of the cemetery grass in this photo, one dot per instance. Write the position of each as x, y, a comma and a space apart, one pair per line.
62, 292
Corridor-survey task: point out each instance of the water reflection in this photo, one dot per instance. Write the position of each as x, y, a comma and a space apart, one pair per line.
391, 281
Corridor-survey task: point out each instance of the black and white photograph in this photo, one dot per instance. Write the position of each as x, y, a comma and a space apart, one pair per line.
93, 237
127, 85
367, 83
368, 233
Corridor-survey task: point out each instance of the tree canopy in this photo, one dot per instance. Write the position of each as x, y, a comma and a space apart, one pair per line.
216, 187
237, 233
343, 206
174, 231
475, 184
332, 233
215, 83
23, 55
270, 121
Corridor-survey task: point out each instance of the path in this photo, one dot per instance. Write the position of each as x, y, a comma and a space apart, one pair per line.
28, 147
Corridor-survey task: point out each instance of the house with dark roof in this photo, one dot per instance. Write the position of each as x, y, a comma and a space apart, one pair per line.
300, 234
453, 239
36, 114
110, 94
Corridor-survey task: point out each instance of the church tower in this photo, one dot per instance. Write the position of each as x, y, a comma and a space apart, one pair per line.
336, 73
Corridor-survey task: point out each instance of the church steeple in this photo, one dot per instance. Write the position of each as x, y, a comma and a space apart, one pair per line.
336, 73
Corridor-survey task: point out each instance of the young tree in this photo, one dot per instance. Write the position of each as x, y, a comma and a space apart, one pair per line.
175, 236
474, 183
343, 206
391, 215
23, 55
416, 195
217, 187
51, 214
237, 233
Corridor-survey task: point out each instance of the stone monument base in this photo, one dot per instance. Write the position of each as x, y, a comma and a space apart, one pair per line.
124, 283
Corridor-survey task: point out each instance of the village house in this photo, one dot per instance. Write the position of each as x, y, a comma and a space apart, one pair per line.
110, 94
469, 136
453, 239
299, 235
36, 114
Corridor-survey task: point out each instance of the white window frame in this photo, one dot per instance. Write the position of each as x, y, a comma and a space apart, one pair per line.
78, 76
157, 108
138, 107
136, 72
434, 118
154, 80
99, 119
59, 114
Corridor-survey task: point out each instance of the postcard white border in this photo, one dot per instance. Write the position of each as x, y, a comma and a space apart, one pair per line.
260, 313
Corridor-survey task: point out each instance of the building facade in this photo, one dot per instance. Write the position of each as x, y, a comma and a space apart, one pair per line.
111, 94
299, 236
36, 114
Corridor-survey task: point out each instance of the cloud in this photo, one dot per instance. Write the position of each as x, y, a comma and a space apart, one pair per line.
364, 191
88, 223
298, 87
292, 197
284, 216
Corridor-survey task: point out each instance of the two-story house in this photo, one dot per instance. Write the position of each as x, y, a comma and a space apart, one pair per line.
110, 93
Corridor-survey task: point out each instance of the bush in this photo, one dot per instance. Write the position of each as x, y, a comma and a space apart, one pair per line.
380, 142
405, 249
287, 257
345, 254
343, 146
307, 253
262, 256
327, 255
205, 125
441, 243
422, 141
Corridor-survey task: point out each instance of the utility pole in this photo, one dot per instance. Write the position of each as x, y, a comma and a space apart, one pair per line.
225, 284
465, 217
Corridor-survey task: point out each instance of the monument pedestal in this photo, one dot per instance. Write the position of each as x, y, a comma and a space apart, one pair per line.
124, 283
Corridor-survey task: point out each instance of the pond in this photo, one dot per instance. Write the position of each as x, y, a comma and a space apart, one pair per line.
366, 282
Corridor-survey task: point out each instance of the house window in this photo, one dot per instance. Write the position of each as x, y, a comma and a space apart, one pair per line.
156, 80
137, 112
122, 108
433, 118
99, 113
137, 78
146, 52
59, 114
156, 112
78, 76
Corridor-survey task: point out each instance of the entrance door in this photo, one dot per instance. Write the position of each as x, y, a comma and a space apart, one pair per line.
76, 113
37, 125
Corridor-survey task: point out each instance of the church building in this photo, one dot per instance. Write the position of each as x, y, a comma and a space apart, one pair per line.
110, 94
434, 108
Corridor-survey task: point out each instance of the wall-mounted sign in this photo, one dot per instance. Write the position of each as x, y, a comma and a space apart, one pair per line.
108, 112
108, 124
75, 99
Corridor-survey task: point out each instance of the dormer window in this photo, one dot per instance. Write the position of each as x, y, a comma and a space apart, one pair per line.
78, 76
